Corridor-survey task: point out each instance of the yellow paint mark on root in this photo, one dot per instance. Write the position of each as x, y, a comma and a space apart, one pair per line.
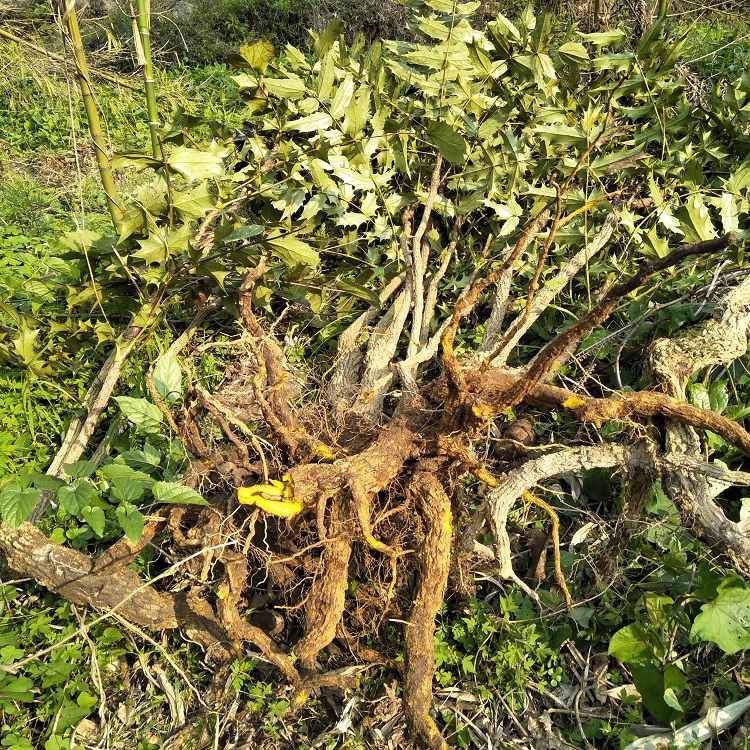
447, 521
276, 498
484, 476
573, 402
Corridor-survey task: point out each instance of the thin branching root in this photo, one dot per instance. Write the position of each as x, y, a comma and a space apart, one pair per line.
353, 511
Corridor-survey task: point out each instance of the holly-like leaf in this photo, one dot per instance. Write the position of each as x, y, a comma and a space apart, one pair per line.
16, 502
329, 37
193, 164
142, 413
167, 377
452, 145
292, 251
193, 203
177, 494
310, 123
255, 56
726, 620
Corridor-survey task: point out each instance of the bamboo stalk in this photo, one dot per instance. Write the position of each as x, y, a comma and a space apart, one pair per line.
143, 21
92, 115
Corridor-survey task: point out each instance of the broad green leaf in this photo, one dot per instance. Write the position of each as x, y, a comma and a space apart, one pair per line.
193, 203
131, 521
726, 620
311, 123
291, 88
292, 251
94, 517
573, 52
42, 481
452, 145
167, 377
698, 395
329, 37
244, 232
126, 489
695, 220
359, 291
604, 38
255, 56
74, 497
80, 469
718, 396
193, 164
628, 645
147, 459
16, 503
16, 689
179, 494
142, 413
649, 680
123, 471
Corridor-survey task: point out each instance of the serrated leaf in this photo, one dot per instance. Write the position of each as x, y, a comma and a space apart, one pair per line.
698, 396
114, 471
452, 145
73, 498
573, 52
311, 123
80, 469
142, 413
726, 620
17, 689
718, 397
291, 88
292, 251
94, 517
255, 56
193, 164
695, 220
329, 37
167, 377
604, 38
126, 489
16, 503
131, 521
43, 481
193, 203
176, 493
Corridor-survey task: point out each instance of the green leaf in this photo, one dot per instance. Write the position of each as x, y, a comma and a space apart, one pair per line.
695, 220
292, 251
16, 689
126, 489
94, 517
355, 290
573, 52
698, 396
16, 503
149, 458
193, 164
80, 469
176, 493
43, 481
726, 620
193, 203
255, 56
649, 681
329, 37
167, 377
452, 145
291, 88
73, 498
122, 471
604, 38
142, 413
311, 123
718, 396
131, 521
629, 646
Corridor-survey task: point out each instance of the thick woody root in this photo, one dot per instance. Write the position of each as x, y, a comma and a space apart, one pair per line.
433, 559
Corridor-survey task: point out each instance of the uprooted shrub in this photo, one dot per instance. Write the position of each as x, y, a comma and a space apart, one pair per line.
452, 218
